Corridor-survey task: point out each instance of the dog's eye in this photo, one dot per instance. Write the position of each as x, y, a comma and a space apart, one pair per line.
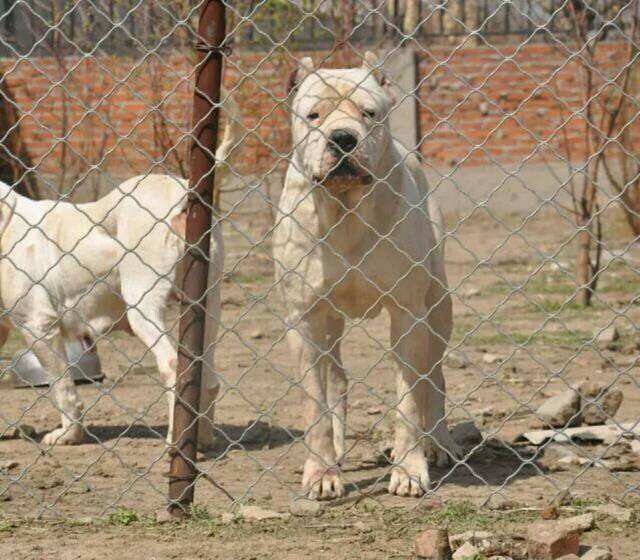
369, 114
313, 116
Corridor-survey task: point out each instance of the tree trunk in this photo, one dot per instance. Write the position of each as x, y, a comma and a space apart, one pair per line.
583, 266
15, 161
411, 17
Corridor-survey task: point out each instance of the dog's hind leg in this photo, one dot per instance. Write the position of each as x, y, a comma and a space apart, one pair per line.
336, 384
440, 446
48, 346
146, 297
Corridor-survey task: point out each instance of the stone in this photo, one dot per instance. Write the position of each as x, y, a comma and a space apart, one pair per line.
621, 464
607, 335
256, 334
560, 411
481, 539
8, 465
374, 410
571, 461
457, 360
305, 508
599, 404
597, 553
473, 537
255, 513
466, 552
163, 515
432, 544
578, 523
227, 518
569, 557
549, 512
467, 434
491, 358
549, 541
619, 513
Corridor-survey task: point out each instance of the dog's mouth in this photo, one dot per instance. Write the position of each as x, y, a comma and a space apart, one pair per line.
346, 174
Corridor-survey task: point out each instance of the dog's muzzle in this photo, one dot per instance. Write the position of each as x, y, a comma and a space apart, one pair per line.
346, 169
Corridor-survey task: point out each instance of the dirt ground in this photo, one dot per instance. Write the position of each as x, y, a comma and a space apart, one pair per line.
519, 338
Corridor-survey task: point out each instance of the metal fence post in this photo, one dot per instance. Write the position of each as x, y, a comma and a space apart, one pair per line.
183, 471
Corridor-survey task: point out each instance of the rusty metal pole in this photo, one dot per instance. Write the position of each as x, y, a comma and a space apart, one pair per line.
183, 471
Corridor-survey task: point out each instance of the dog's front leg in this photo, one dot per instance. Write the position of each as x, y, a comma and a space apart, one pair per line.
336, 384
410, 475
48, 346
321, 476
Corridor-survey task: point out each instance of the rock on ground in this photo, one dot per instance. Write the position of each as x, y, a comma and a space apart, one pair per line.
433, 544
599, 404
578, 523
466, 434
597, 553
255, 513
549, 541
560, 411
481, 539
619, 513
466, 552
305, 508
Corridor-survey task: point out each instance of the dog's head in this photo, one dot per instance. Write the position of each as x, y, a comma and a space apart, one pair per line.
339, 122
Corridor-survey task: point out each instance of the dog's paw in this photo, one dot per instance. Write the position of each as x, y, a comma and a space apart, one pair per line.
410, 477
321, 483
442, 450
70, 435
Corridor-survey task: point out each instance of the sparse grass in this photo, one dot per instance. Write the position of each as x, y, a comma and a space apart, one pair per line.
123, 516
573, 339
5, 526
458, 516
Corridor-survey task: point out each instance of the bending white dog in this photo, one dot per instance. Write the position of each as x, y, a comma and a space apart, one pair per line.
69, 271
356, 234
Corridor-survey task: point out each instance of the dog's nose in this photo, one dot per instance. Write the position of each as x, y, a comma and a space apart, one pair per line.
343, 139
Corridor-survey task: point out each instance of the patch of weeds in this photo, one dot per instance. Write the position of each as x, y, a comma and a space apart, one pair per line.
584, 503
458, 516
123, 516
199, 513
5, 526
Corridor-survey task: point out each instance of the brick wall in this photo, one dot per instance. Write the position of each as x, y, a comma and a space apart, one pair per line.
107, 108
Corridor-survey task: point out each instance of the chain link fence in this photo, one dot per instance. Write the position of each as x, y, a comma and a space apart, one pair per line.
522, 119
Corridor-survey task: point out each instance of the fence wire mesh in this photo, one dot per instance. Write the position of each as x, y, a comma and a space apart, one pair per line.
521, 117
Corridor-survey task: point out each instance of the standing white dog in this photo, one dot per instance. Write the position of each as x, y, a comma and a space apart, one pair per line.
70, 271
358, 232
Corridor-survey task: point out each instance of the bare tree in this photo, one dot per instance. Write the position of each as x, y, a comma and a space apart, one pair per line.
602, 86
621, 162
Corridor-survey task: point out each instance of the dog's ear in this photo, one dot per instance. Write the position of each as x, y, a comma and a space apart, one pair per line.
305, 67
370, 63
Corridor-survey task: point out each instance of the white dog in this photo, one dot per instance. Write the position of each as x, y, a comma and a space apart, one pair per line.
358, 232
70, 271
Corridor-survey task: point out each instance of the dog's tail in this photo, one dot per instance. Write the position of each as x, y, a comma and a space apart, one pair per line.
231, 137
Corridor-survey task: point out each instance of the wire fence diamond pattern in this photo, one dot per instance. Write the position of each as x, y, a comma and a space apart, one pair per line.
522, 119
